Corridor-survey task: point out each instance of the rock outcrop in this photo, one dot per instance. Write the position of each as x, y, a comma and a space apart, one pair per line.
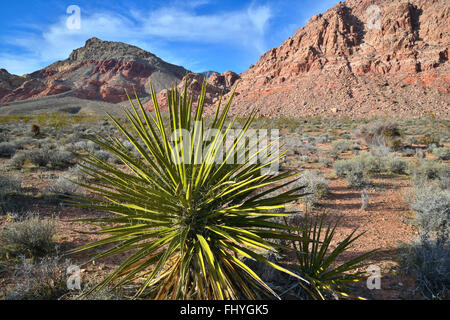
101, 70
9, 82
217, 85
360, 58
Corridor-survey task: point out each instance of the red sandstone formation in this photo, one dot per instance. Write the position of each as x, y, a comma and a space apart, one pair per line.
341, 62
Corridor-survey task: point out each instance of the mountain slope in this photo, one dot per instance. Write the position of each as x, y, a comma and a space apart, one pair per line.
9, 82
340, 62
101, 70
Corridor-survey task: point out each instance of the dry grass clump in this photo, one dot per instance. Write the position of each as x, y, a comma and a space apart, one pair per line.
429, 261
380, 133
7, 149
442, 153
43, 280
428, 257
316, 187
353, 170
8, 185
425, 171
31, 237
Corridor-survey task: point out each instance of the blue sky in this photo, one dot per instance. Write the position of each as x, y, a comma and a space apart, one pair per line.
200, 35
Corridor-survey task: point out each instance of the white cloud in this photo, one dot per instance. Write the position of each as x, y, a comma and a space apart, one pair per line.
243, 28
259, 17
237, 27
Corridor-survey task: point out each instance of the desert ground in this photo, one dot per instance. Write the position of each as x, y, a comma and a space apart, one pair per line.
386, 178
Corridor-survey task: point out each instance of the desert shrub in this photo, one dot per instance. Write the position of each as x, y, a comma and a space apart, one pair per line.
341, 167
293, 142
323, 139
371, 162
4, 137
380, 133
428, 260
74, 137
18, 160
395, 144
69, 146
43, 280
66, 184
44, 143
380, 151
77, 174
21, 142
60, 158
442, 153
412, 140
428, 140
104, 294
128, 145
420, 154
303, 158
343, 145
31, 237
38, 157
345, 135
184, 221
408, 152
84, 145
7, 149
91, 146
432, 207
316, 185
9, 183
429, 170
356, 177
327, 162
395, 164
102, 155
352, 170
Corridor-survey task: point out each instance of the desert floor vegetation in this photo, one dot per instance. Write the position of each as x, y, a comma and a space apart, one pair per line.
388, 179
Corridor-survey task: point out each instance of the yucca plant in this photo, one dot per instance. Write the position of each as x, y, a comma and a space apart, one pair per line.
186, 220
318, 261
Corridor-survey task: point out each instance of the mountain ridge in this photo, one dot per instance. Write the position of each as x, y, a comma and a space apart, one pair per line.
100, 70
360, 58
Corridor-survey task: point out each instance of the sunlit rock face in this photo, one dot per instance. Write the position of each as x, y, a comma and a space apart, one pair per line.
357, 59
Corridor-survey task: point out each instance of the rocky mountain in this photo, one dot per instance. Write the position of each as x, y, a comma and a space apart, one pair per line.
360, 58
101, 70
9, 82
